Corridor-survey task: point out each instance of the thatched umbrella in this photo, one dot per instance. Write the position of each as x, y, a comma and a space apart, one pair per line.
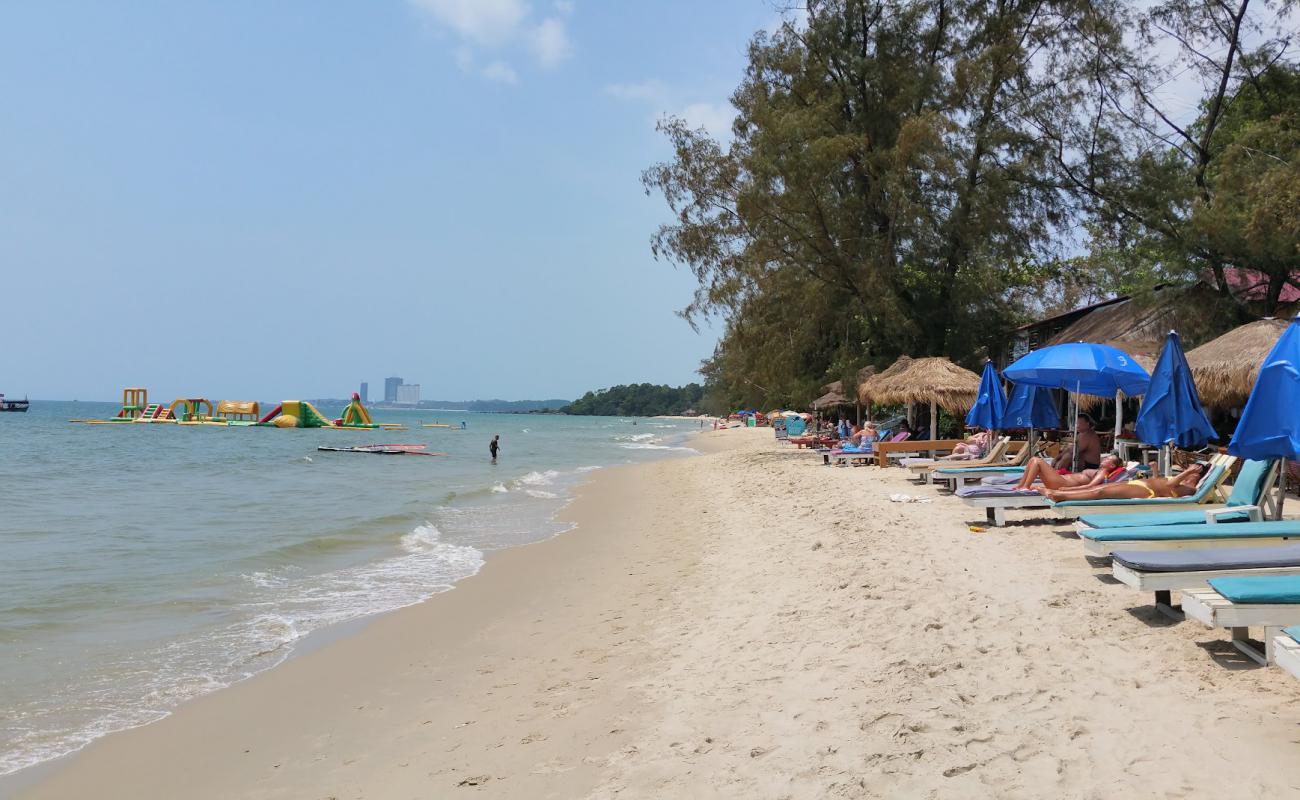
1226, 368
830, 400
867, 387
936, 381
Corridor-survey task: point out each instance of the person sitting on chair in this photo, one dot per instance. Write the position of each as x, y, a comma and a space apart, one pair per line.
1041, 470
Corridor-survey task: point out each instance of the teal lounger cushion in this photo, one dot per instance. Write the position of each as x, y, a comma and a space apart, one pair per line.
1260, 590
1158, 518
1293, 632
960, 470
1278, 529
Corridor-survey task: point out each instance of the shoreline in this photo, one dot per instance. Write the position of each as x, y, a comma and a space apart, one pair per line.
744, 623
452, 617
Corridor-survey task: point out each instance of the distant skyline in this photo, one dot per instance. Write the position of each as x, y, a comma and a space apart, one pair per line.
282, 200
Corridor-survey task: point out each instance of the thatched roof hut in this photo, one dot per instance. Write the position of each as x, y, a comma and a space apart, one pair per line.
1225, 369
936, 381
1138, 326
831, 400
868, 385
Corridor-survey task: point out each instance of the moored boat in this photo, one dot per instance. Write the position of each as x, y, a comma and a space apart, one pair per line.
13, 405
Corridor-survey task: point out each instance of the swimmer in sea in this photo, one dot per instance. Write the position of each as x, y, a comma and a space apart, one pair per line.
494, 446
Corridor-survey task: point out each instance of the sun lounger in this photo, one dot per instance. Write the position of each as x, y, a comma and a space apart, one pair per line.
1100, 542
1238, 604
1286, 650
958, 477
924, 468
997, 498
1164, 571
1245, 503
1208, 491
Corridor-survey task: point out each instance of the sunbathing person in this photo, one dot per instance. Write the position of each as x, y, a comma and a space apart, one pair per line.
974, 447
1181, 485
1040, 469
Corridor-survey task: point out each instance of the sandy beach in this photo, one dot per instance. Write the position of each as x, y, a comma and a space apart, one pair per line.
745, 623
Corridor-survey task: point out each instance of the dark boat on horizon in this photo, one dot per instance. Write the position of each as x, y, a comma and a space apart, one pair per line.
13, 405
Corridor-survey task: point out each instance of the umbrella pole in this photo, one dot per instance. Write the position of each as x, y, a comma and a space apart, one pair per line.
1281, 489
1119, 416
934, 421
1074, 443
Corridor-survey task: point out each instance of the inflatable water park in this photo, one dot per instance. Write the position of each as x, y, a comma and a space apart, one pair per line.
137, 410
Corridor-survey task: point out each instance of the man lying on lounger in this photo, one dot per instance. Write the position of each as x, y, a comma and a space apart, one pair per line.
1040, 469
1180, 485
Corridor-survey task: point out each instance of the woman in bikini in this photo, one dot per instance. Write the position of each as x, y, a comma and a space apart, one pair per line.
1040, 469
1181, 485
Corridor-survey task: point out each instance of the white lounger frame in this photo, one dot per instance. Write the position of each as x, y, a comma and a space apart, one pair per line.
1209, 607
1286, 653
1163, 583
1098, 549
995, 508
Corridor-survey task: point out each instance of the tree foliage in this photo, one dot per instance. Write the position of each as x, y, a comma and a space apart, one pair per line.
919, 176
637, 400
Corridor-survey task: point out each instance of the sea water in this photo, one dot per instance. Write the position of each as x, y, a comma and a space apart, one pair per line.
143, 565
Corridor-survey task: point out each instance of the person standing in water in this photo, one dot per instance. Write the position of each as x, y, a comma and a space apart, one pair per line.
494, 446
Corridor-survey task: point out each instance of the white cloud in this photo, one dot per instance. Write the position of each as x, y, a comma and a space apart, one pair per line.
480, 21
716, 118
550, 42
489, 28
501, 72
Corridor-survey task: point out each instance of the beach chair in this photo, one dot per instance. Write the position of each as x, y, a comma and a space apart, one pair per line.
1271, 602
1101, 542
997, 499
1208, 491
957, 477
1286, 650
1166, 571
924, 468
1245, 503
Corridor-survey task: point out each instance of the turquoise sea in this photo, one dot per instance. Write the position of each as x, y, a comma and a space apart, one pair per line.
147, 564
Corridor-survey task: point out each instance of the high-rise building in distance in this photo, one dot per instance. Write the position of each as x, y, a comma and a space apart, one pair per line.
390, 389
408, 394
365, 392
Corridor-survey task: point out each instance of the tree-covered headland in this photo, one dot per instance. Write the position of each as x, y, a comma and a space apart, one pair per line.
638, 400
921, 176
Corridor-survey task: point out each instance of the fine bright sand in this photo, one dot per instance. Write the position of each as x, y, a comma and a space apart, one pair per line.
745, 624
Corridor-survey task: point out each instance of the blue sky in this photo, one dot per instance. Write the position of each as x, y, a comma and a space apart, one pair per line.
273, 200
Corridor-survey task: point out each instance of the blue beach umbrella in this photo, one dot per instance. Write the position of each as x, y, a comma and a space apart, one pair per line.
1082, 368
1031, 407
1270, 424
1171, 411
991, 402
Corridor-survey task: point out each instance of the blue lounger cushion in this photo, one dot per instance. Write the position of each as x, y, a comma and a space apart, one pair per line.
1259, 590
1158, 518
1293, 632
1217, 558
997, 491
1157, 533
